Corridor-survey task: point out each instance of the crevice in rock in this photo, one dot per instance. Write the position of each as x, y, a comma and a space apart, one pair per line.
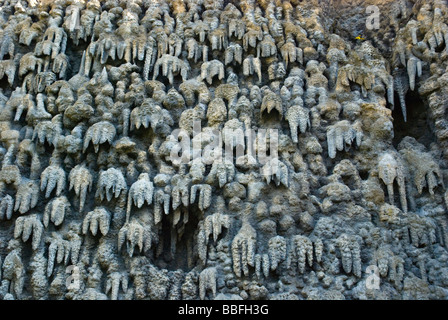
417, 124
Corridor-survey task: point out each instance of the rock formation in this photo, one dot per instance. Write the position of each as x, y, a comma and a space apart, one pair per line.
337, 130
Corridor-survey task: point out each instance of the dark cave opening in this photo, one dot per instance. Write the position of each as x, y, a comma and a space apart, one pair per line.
270, 119
440, 48
176, 81
4, 84
176, 242
417, 124
74, 54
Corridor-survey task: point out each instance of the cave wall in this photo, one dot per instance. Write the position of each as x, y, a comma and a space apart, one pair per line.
349, 202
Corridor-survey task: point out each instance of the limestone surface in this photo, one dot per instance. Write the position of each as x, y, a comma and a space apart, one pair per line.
116, 122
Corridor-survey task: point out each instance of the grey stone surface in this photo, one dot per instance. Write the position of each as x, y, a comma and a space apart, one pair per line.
92, 206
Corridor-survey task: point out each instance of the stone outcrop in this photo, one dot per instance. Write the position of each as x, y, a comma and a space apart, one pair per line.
339, 132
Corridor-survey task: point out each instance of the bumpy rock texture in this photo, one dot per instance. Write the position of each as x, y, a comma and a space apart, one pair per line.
92, 207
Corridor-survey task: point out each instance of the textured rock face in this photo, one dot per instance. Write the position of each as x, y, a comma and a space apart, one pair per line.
99, 99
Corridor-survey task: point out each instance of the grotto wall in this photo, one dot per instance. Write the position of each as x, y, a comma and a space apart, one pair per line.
349, 202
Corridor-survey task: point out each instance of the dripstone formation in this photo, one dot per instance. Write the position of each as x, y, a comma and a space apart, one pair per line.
92, 205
